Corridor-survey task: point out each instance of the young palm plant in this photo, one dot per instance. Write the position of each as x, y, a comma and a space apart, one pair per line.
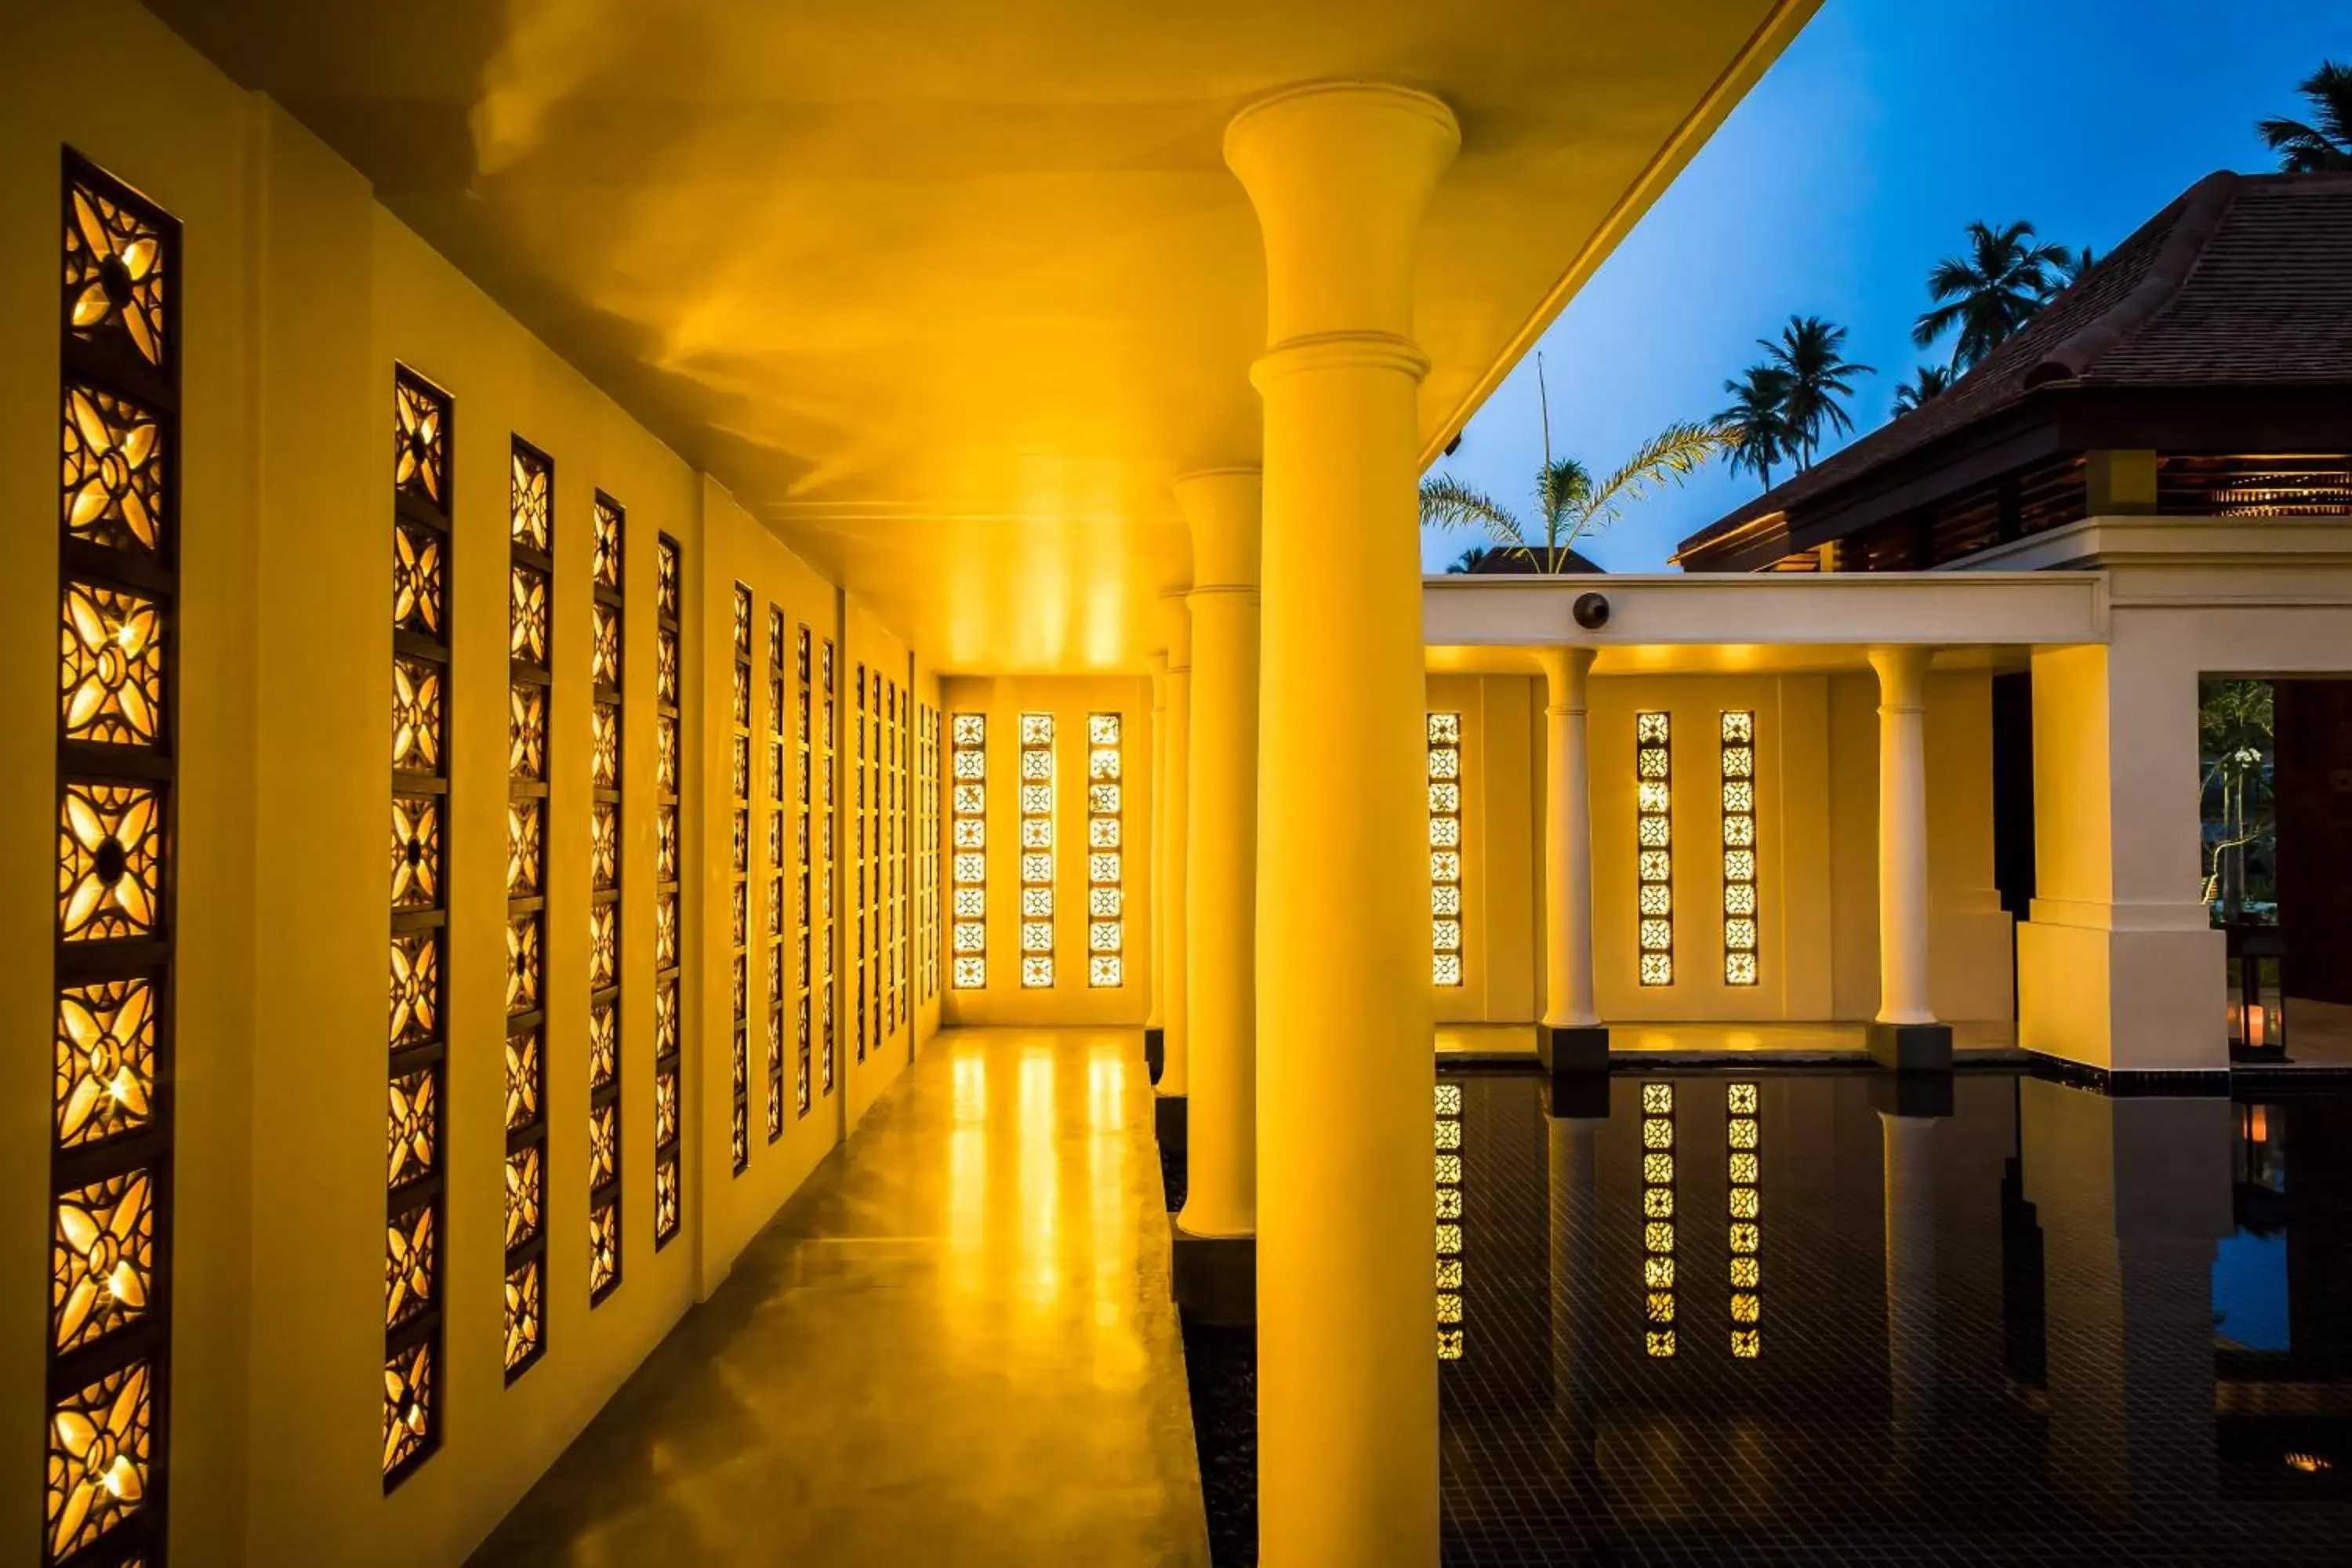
1569, 502
2325, 146
1992, 292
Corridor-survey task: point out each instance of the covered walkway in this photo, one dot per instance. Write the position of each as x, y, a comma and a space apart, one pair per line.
956, 1344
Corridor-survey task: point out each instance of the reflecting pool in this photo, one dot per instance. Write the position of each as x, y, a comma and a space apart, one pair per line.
1777, 1318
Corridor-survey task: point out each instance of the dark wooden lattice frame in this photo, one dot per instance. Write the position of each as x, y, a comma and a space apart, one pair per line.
526, 1266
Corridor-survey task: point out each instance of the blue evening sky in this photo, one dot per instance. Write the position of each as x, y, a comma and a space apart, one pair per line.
1853, 165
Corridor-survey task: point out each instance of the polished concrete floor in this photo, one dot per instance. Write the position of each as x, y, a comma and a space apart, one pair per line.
956, 1345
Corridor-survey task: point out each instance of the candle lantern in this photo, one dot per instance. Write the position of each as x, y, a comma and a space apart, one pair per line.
2257, 955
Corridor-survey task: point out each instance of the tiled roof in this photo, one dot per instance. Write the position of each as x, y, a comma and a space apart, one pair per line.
2244, 279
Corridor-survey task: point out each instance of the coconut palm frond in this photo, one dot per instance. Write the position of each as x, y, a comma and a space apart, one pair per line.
1447, 503
1671, 456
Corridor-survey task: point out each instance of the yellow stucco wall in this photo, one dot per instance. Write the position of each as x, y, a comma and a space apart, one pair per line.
298, 295
1070, 699
1817, 802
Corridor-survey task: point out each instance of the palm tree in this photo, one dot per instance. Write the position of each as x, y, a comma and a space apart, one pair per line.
1990, 292
1810, 355
1569, 500
1930, 381
1469, 560
2325, 147
2075, 267
1757, 420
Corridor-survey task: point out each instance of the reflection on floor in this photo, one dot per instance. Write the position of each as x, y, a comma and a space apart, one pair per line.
1765, 1318
956, 1346
2319, 1034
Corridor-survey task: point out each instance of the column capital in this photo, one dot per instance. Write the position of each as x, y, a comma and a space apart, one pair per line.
1902, 676
1176, 621
1565, 671
1339, 173
1222, 508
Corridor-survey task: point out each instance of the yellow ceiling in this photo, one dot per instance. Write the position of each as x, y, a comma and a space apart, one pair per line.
948, 293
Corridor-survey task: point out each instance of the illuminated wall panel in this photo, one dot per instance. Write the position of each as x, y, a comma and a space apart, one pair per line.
828, 881
894, 852
967, 868
1658, 1219
1653, 842
1445, 848
780, 775
670, 929
739, 887
1037, 850
415, 1204
1106, 897
1451, 1262
610, 526
927, 852
803, 909
530, 591
1746, 1233
110, 1151
1739, 913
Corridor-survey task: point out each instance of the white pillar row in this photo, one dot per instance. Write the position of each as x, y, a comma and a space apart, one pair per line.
1572, 1036
1176, 620
1340, 173
1153, 1023
1221, 855
1906, 1034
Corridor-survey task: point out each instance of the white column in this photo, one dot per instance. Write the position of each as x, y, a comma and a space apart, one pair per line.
1338, 174
1902, 835
1567, 843
1153, 1018
1175, 817
1220, 855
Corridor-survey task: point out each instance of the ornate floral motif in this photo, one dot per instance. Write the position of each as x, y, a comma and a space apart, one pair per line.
522, 965
523, 846
524, 1195
112, 490
525, 1315
415, 716
109, 862
408, 1395
105, 1060
527, 732
522, 1078
527, 601
603, 947
420, 447
101, 1258
413, 1130
607, 564
604, 644
604, 1249
530, 488
100, 1446
604, 1044
110, 666
417, 583
604, 750
116, 277
409, 1266
415, 987
415, 851
603, 845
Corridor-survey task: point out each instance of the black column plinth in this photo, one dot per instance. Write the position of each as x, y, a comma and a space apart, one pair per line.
1155, 1050
1217, 1278
1168, 1121
1912, 1048
1582, 1047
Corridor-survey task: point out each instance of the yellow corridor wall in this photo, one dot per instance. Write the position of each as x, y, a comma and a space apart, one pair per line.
1070, 699
298, 294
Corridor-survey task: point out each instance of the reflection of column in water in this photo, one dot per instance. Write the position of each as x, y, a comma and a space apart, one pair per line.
1744, 1200
1910, 1213
1658, 1219
2132, 1195
1450, 1281
1575, 1201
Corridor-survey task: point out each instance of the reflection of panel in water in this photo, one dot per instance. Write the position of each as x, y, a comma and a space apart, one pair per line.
1746, 1230
1448, 1136
1658, 1218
